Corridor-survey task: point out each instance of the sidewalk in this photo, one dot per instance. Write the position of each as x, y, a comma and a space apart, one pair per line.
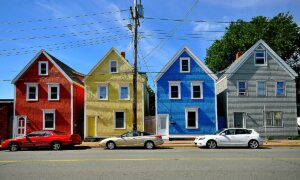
182, 143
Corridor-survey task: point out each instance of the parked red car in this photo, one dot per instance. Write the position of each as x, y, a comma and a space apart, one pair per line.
53, 139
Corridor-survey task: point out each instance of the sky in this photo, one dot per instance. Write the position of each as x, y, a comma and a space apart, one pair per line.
81, 32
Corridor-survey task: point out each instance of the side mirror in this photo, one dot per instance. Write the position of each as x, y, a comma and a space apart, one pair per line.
223, 134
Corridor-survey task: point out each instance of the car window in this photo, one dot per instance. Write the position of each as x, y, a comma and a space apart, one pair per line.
229, 132
35, 134
248, 131
47, 134
145, 134
240, 131
131, 134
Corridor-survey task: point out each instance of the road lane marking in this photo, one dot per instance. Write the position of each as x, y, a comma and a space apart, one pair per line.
152, 159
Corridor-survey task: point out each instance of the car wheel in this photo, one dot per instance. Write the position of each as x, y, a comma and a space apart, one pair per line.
110, 145
56, 145
253, 144
211, 144
149, 145
13, 146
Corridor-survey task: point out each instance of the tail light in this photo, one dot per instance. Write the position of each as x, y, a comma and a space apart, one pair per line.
158, 136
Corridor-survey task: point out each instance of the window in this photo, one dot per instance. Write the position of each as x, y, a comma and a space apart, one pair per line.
124, 92
113, 66
191, 118
49, 119
43, 68
242, 87
103, 92
274, 119
174, 90
260, 58
53, 92
197, 90
32, 92
120, 120
184, 65
261, 88
229, 132
280, 88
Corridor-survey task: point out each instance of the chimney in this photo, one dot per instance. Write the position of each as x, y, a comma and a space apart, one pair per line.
123, 54
238, 54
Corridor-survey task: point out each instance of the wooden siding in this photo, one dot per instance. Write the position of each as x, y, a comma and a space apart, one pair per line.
175, 108
103, 110
34, 109
253, 105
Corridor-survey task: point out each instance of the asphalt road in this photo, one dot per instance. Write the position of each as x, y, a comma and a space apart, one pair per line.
159, 164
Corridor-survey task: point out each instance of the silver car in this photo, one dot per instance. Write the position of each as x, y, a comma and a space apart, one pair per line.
133, 139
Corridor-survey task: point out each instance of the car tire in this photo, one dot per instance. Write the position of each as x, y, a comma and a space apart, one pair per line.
13, 146
56, 145
211, 144
149, 145
253, 144
110, 145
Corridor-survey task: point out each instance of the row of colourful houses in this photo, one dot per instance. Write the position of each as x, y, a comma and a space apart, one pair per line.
256, 91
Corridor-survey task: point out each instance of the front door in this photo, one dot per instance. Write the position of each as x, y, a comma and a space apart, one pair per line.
21, 126
162, 124
239, 120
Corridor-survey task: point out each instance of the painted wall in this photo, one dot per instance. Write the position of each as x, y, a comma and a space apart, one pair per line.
99, 114
6, 115
176, 108
34, 109
78, 109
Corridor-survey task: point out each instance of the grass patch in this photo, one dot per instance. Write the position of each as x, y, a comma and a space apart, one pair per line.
294, 138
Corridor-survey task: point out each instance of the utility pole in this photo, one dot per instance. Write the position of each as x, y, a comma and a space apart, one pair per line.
136, 14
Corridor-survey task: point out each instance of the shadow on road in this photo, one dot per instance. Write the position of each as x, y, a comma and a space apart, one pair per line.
47, 149
139, 148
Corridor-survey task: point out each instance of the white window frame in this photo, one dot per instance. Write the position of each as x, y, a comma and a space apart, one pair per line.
189, 64
284, 88
191, 109
40, 63
36, 92
117, 64
175, 83
238, 88
123, 111
197, 83
49, 91
273, 112
265, 58
54, 118
98, 91
257, 82
120, 87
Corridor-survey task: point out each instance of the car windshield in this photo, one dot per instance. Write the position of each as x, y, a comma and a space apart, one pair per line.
218, 131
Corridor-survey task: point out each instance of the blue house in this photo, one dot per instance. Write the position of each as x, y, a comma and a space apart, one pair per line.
186, 103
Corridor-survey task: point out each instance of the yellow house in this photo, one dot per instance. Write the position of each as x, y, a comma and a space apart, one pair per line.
108, 97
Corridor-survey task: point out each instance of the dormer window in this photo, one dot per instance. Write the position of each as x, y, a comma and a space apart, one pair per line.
184, 65
43, 68
260, 58
113, 66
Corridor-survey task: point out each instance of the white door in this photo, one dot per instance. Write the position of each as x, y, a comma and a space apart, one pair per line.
20, 126
162, 124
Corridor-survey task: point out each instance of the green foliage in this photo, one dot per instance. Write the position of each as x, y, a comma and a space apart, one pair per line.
281, 33
294, 138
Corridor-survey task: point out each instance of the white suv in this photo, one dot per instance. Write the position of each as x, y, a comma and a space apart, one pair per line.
229, 138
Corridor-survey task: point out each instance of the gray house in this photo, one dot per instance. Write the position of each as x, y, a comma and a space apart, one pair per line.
258, 91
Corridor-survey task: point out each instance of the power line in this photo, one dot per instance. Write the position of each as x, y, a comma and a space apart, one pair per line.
188, 12
61, 18
65, 26
85, 33
196, 21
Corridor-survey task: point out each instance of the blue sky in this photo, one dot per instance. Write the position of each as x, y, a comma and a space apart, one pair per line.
80, 32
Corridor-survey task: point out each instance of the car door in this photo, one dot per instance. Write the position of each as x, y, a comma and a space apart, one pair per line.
141, 138
226, 138
242, 137
128, 139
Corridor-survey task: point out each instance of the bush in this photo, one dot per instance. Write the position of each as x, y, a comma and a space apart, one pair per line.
294, 138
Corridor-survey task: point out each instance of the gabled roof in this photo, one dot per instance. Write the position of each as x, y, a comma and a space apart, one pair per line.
193, 56
103, 59
67, 71
242, 59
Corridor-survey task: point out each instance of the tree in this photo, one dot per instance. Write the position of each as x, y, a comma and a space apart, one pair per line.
281, 33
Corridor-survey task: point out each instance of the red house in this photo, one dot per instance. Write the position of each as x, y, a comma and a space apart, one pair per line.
49, 95
6, 118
